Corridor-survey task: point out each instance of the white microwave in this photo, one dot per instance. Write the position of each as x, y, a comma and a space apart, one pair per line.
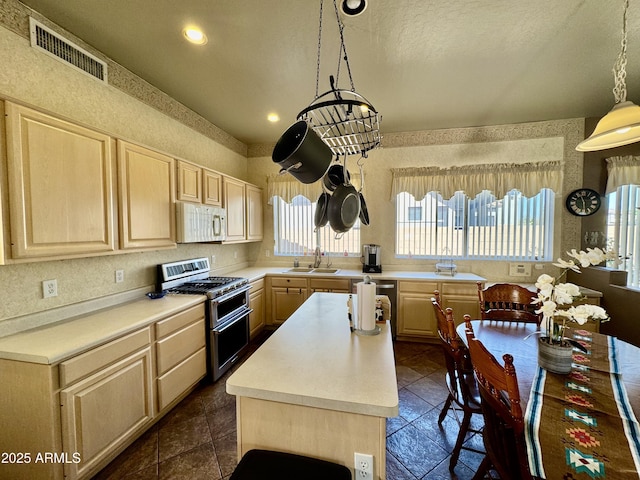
200, 223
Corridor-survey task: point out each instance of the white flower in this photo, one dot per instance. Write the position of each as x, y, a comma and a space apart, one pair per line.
581, 256
548, 308
595, 256
565, 293
571, 265
544, 280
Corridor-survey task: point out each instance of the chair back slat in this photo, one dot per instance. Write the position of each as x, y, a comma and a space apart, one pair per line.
507, 301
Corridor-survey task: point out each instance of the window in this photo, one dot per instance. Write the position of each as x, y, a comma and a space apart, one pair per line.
623, 229
295, 232
514, 227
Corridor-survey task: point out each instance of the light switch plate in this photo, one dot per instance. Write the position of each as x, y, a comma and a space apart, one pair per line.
520, 269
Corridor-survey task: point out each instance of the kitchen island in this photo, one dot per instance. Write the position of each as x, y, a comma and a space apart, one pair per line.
315, 388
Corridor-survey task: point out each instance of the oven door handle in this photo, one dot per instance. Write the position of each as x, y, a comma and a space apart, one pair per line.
233, 320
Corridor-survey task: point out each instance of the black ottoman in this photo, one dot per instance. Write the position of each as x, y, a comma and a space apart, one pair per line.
268, 465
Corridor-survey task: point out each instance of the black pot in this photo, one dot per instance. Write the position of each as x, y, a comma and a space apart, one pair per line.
364, 213
344, 208
321, 217
335, 176
302, 153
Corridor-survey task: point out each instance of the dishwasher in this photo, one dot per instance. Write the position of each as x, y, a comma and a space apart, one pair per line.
388, 288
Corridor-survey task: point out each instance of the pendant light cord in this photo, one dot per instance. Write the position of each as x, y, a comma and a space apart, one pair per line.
620, 67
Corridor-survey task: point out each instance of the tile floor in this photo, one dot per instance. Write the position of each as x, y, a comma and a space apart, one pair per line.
197, 439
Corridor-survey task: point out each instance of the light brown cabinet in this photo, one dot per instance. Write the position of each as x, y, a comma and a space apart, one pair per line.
107, 408
147, 195
254, 212
61, 186
212, 187
335, 285
235, 204
96, 403
257, 304
189, 182
287, 294
416, 318
181, 358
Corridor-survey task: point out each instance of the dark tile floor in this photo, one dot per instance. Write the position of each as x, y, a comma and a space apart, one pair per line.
197, 439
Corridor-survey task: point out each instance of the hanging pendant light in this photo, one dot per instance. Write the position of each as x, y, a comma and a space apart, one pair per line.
621, 126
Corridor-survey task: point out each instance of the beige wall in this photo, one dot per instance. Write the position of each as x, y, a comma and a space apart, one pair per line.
43, 82
553, 140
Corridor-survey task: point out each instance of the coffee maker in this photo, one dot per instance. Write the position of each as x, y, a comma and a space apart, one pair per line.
371, 257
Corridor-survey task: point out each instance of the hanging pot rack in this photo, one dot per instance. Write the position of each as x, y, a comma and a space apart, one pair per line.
343, 119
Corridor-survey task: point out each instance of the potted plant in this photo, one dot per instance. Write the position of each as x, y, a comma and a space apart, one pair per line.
554, 349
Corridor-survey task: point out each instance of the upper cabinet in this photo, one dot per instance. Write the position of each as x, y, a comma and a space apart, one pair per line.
189, 182
235, 204
61, 186
243, 203
212, 187
254, 212
147, 197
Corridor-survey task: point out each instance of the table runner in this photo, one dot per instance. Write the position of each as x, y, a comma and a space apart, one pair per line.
580, 425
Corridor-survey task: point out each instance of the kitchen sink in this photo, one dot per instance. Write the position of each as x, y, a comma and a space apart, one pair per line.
325, 270
300, 270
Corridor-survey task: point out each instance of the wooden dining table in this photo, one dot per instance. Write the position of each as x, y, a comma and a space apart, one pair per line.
520, 340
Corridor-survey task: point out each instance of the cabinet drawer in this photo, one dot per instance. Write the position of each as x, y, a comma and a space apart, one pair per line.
417, 287
459, 288
257, 285
175, 348
84, 364
177, 380
289, 282
176, 322
329, 284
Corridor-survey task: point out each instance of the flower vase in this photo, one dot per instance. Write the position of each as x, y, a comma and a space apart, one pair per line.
555, 357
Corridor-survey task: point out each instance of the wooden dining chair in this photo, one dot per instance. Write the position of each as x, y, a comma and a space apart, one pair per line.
463, 392
507, 301
503, 433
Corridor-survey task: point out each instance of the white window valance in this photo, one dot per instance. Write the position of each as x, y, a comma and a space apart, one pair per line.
528, 178
622, 171
287, 187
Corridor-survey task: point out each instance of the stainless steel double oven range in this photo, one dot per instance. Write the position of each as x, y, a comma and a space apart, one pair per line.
227, 309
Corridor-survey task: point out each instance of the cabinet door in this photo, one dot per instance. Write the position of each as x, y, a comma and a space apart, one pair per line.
254, 212
285, 301
61, 186
234, 202
416, 316
189, 182
147, 195
256, 318
212, 187
462, 305
105, 410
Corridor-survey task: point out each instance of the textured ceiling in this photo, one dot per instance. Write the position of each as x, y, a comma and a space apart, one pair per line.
423, 64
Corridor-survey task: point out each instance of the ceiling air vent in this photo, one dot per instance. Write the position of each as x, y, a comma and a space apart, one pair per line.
53, 44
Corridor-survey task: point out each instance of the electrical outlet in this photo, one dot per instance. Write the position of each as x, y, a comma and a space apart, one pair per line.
119, 276
213, 261
49, 288
363, 466
267, 253
235, 255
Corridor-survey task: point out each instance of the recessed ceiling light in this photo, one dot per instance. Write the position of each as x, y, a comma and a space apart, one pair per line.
273, 117
195, 35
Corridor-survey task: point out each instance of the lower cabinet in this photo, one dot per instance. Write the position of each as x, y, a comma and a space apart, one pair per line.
335, 285
88, 408
416, 318
287, 294
105, 410
257, 304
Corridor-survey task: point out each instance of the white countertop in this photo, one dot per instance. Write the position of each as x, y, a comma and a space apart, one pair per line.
314, 359
254, 273
59, 341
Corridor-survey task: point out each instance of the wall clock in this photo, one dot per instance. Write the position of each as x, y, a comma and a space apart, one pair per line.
583, 202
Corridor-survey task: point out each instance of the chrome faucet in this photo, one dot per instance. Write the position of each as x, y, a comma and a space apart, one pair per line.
329, 261
317, 257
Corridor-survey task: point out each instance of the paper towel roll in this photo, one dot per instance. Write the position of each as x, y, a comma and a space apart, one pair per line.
366, 305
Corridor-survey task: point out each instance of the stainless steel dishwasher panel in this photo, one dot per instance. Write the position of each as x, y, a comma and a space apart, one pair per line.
388, 288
